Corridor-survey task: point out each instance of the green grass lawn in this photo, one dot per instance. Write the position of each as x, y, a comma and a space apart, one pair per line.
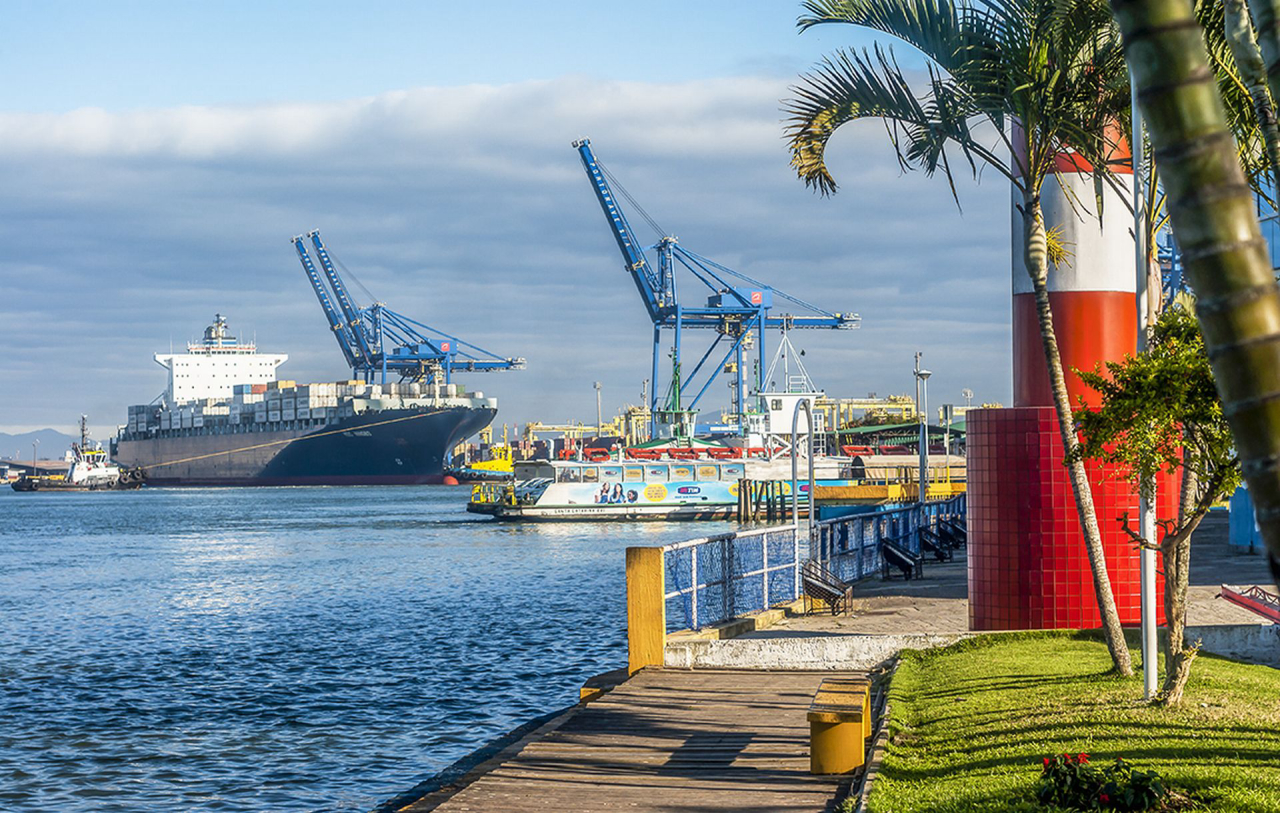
971, 724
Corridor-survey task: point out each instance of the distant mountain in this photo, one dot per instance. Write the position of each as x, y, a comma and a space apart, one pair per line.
53, 444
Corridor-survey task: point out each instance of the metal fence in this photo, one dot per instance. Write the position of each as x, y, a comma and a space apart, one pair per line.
850, 546
717, 578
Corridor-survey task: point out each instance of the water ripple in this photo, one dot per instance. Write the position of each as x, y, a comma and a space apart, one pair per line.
300, 649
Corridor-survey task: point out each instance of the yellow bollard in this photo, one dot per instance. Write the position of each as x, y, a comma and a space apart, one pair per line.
835, 747
839, 725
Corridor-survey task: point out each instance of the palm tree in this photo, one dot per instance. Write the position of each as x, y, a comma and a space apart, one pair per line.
1010, 84
1211, 209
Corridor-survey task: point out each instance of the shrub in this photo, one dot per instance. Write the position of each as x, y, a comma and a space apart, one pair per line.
1071, 781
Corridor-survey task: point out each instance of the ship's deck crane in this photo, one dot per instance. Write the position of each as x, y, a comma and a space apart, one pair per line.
736, 305
376, 340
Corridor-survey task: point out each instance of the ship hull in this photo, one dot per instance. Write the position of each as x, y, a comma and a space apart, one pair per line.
387, 447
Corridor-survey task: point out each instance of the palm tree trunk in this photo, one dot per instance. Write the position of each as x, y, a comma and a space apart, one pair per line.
1244, 49
1211, 208
1175, 552
1037, 257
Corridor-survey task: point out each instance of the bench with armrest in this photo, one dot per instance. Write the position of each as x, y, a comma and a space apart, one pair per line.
839, 725
954, 532
933, 542
896, 555
820, 583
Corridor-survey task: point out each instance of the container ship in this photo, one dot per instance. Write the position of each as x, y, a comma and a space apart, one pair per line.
226, 420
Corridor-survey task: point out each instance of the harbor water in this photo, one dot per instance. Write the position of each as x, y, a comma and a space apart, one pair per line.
285, 649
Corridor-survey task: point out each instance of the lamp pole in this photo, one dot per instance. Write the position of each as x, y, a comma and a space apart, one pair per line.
599, 413
1146, 489
922, 407
34, 444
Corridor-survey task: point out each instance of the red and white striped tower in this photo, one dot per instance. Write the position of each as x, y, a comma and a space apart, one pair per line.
1028, 567
1092, 294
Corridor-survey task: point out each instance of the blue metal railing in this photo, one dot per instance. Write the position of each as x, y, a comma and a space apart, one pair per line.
850, 546
717, 578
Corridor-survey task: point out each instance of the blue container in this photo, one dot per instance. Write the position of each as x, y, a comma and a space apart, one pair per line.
1242, 528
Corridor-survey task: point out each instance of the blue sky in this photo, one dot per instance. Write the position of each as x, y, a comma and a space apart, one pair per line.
159, 156
119, 55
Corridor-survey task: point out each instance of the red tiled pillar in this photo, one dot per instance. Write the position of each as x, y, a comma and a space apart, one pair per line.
1028, 567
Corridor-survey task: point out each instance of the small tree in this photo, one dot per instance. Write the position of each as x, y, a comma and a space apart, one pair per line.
1160, 412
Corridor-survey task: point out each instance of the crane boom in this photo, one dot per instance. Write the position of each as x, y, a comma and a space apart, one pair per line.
377, 340
647, 282
736, 307
349, 311
340, 333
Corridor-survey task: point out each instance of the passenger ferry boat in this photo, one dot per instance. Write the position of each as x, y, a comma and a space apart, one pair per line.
630, 489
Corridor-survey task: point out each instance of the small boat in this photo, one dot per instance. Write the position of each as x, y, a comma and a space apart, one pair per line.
497, 469
90, 470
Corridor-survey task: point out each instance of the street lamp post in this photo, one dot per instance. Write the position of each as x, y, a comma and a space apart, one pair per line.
599, 413
34, 443
922, 407
1147, 489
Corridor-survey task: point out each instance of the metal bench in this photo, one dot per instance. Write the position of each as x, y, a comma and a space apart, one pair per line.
954, 532
895, 555
933, 542
839, 725
820, 583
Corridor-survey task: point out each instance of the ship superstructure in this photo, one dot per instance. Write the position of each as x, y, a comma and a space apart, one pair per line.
212, 367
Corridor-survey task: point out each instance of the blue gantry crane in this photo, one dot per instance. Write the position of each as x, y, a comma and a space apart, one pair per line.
377, 341
737, 306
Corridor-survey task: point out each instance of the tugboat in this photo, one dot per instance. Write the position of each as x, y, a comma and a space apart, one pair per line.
90, 470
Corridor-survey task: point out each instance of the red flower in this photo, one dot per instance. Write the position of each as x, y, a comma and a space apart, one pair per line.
1084, 758
1104, 798
1046, 762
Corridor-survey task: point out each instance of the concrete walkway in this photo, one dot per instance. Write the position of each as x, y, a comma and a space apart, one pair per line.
939, 603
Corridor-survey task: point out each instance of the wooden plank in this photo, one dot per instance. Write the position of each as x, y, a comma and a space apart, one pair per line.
667, 740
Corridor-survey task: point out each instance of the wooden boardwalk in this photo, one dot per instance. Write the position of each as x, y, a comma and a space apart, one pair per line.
666, 740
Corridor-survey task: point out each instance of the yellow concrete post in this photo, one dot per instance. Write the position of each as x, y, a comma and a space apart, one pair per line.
836, 747
839, 725
646, 608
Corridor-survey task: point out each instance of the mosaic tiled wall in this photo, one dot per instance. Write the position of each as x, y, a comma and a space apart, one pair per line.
1028, 568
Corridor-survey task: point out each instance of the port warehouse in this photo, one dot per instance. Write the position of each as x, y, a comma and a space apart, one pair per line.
275, 402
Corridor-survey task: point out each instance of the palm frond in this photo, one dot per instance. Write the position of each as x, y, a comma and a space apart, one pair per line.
853, 85
934, 27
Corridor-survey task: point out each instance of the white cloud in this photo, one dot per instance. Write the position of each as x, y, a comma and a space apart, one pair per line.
465, 207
